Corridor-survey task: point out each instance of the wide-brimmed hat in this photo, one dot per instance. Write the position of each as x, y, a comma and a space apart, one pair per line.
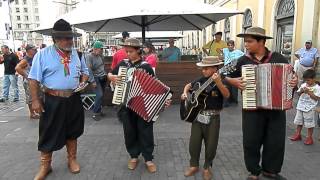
210, 61
255, 31
62, 29
131, 42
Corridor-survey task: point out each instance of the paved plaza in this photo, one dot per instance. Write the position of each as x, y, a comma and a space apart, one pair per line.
102, 153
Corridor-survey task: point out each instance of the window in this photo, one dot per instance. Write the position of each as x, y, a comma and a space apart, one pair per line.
0, 3
19, 26
38, 25
17, 10
227, 29
36, 10
25, 10
37, 18
247, 23
16, 2
27, 26
204, 33
284, 30
24, 2
35, 2
18, 18
26, 18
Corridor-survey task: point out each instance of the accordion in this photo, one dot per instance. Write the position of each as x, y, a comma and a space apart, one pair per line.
267, 86
141, 92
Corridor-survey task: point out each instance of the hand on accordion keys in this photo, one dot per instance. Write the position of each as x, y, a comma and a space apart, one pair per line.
237, 82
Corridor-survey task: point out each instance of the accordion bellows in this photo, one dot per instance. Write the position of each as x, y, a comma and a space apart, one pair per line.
267, 86
146, 95
141, 92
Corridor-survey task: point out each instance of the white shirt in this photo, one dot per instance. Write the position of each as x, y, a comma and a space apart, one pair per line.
306, 103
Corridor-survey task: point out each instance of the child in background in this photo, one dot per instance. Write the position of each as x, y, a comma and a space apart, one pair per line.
309, 93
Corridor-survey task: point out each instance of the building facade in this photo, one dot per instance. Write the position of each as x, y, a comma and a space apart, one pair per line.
25, 18
290, 22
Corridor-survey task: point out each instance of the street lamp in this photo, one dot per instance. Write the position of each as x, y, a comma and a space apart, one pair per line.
66, 4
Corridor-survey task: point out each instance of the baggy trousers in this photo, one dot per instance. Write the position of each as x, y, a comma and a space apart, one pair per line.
62, 119
210, 134
138, 134
267, 129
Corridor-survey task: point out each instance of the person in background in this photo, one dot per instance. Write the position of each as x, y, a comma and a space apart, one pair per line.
308, 58
43, 46
20, 53
150, 55
172, 53
23, 69
95, 65
215, 46
10, 61
230, 57
121, 54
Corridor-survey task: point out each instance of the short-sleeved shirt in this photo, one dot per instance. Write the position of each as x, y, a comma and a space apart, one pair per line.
307, 57
230, 56
118, 57
250, 59
215, 47
152, 60
305, 102
171, 54
215, 99
48, 70
95, 65
10, 63
139, 65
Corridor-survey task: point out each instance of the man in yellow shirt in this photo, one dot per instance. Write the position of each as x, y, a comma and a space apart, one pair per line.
215, 46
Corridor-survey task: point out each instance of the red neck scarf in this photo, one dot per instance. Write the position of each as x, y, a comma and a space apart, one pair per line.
65, 60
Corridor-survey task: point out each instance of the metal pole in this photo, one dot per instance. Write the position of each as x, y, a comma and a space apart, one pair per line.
12, 35
143, 25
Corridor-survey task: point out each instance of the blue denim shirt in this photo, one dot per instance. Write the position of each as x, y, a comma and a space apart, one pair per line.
49, 71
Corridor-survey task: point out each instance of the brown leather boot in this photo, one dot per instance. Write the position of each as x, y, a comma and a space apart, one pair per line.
73, 165
45, 166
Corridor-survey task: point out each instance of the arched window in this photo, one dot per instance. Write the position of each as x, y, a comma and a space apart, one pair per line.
247, 20
227, 29
247, 23
284, 27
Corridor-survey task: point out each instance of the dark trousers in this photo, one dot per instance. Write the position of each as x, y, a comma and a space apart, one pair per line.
99, 90
210, 134
62, 119
265, 128
138, 134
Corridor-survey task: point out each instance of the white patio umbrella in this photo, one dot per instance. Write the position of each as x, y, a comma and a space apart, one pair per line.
153, 35
146, 15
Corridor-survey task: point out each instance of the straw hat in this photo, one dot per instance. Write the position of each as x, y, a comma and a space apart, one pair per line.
255, 31
210, 61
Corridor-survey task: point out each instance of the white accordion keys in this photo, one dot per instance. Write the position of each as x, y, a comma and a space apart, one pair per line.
249, 100
119, 91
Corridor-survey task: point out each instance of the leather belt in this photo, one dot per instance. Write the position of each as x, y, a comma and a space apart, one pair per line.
210, 112
59, 93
